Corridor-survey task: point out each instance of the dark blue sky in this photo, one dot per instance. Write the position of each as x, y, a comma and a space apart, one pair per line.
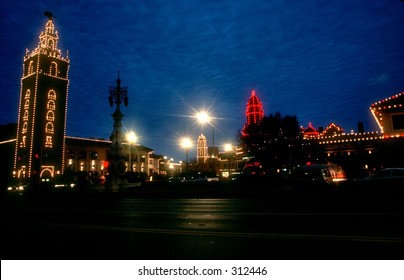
323, 61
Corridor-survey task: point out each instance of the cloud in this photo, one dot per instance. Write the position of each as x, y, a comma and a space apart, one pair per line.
382, 78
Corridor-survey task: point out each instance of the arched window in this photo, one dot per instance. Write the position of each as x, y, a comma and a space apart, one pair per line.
49, 128
30, 68
24, 127
26, 104
51, 105
27, 94
25, 117
48, 141
53, 69
50, 116
51, 95
50, 44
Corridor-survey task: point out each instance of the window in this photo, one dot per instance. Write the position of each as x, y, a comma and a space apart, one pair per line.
50, 116
93, 155
49, 128
48, 141
398, 173
25, 117
30, 67
27, 94
382, 174
53, 69
51, 105
82, 154
398, 121
24, 127
71, 153
23, 142
51, 95
26, 104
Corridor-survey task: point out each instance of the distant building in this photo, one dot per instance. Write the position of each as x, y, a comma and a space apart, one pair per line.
202, 150
310, 132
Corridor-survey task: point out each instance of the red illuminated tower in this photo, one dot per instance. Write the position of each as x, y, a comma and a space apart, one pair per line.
42, 109
254, 111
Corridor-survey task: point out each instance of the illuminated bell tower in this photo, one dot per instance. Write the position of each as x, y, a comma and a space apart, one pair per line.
42, 111
202, 147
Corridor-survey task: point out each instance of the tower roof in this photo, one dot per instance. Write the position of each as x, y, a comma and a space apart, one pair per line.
254, 110
48, 40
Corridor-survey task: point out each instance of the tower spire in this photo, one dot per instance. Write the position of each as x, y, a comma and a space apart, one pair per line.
48, 14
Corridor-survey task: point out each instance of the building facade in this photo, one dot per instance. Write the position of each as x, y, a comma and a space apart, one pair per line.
91, 155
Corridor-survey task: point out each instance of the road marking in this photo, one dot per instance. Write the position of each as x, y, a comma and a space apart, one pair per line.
357, 238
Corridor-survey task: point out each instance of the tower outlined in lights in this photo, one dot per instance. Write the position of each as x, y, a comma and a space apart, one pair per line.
202, 149
41, 126
254, 111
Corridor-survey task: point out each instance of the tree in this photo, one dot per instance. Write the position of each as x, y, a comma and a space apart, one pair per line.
275, 142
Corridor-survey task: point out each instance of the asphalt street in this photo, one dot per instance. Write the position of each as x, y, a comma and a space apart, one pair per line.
274, 226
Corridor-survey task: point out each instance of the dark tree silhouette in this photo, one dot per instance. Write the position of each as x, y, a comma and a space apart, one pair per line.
275, 142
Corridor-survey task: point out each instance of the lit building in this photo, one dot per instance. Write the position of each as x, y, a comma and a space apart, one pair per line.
367, 151
202, 150
90, 155
42, 110
254, 111
389, 115
42, 149
310, 132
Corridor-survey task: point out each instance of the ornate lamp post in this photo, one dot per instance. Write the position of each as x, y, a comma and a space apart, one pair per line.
116, 158
186, 143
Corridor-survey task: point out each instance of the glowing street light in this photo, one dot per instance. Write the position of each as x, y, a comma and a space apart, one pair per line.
132, 139
203, 117
186, 144
228, 147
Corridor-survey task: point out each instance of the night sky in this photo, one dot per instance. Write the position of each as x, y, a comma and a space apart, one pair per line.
323, 61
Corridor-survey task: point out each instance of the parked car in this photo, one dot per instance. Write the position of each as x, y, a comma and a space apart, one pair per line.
385, 178
316, 177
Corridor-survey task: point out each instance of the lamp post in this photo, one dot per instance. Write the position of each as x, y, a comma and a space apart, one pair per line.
132, 139
186, 143
228, 148
117, 167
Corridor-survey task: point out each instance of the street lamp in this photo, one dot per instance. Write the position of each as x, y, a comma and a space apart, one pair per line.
132, 139
116, 158
203, 117
229, 150
228, 147
186, 143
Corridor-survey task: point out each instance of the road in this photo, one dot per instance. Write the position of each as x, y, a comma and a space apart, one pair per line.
276, 226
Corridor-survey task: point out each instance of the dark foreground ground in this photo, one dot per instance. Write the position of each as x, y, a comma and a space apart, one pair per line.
203, 221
